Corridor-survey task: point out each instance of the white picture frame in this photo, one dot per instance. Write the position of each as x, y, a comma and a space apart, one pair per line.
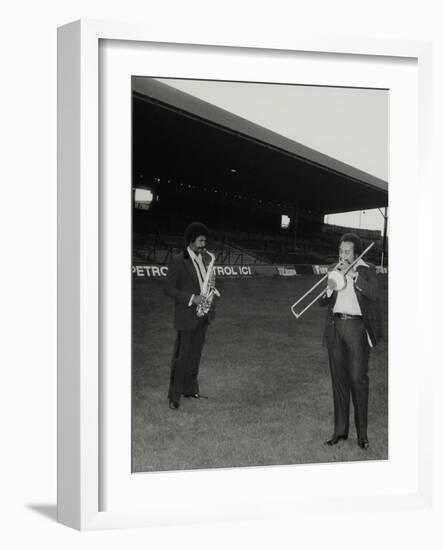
82, 299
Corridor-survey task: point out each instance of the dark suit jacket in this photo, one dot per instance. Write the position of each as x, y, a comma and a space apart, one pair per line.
181, 283
366, 290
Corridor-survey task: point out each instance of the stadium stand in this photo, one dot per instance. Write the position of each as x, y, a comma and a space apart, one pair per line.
203, 163
246, 248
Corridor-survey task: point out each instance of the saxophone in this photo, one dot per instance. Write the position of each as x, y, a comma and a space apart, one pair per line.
208, 291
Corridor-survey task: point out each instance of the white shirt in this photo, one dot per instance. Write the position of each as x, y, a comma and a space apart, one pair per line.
200, 269
347, 301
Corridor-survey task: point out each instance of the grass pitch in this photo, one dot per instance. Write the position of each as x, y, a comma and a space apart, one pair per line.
267, 378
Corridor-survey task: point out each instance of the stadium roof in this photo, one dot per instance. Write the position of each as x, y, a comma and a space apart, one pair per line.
185, 139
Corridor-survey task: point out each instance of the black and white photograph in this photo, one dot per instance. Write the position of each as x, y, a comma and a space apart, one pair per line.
221, 297
259, 274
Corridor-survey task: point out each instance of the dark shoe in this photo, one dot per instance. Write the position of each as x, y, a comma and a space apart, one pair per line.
363, 443
196, 395
335, 439
174, 404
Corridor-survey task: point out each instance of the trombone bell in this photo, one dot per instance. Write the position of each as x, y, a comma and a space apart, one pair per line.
336, 280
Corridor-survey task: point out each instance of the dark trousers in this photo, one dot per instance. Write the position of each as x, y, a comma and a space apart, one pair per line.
348, 362
186, 361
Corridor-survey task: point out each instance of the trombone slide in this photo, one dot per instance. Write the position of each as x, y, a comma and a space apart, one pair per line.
298, 315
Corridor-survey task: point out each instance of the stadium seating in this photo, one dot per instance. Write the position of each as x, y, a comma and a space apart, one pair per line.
316, 244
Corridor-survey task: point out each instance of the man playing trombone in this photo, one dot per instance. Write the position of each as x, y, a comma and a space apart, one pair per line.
190, 284
351, 330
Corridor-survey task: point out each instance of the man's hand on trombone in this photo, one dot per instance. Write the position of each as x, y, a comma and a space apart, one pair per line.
342, 265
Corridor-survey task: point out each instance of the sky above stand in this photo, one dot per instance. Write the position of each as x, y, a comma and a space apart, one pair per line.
348, 124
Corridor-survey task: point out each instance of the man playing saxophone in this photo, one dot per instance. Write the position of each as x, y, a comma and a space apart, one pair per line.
190, 284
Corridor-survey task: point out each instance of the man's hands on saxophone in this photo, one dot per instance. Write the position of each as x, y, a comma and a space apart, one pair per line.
208, 290
197, 299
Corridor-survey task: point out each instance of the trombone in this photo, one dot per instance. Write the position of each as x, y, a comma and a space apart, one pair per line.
336, 281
